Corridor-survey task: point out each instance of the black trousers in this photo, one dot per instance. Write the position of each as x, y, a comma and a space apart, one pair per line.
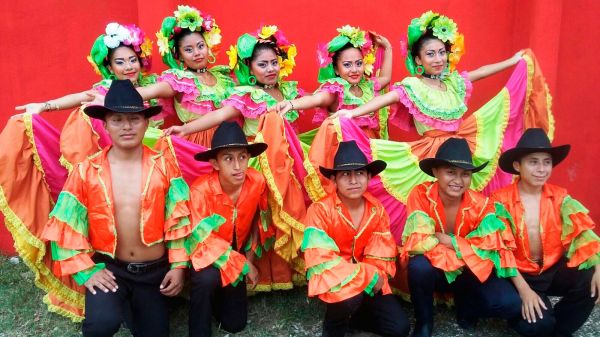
138, 295
381, 314
229, 305
493, 298
573, 309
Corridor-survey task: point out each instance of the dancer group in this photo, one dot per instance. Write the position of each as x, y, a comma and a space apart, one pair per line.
118, 210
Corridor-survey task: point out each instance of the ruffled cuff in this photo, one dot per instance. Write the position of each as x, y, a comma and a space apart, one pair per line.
381, 252
577, 233
176, 209
447, 260
418, 236
468, 85
84, 275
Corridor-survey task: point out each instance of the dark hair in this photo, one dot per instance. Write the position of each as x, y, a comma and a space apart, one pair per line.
428, 36
111, 51
262, 45
337, 53
179, 36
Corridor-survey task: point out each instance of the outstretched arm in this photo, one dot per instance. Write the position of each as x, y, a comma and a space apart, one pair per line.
320, 99
156, 90
491, 69
204, 122
65, 102
385, 75
373, 105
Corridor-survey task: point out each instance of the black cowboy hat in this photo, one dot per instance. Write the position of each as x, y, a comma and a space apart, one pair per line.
452, 152
533, 140
350, 158
121, 97
229, 134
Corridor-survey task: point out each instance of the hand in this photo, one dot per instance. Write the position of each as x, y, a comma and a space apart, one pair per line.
103, 280
342, 113
532, 304
94, 98
283, 107
380, 40
518, 56
379, 283
172, 284
444, 239
596, 285
176, 130
31, 108
252, 276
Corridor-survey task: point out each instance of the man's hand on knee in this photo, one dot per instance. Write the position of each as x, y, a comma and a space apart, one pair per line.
103, 280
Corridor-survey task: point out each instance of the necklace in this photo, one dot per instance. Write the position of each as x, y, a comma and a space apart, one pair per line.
266, 86
201, 70
434, 77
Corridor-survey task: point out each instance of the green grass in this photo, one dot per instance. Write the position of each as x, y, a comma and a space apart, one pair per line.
284, 313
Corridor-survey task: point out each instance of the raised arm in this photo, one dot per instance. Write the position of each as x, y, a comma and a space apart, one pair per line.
156, 90
204, 122
320, 99
385, 75
61, 103
491, 69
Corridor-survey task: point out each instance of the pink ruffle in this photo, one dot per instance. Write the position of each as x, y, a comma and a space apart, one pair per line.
246, 106
450, 125
321, 114
183, 85
468, 86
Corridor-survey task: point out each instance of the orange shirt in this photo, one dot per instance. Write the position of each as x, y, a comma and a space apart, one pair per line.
565, 229
83, 220
480, 240
343, 260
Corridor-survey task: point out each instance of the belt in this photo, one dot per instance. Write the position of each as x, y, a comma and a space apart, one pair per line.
134, 267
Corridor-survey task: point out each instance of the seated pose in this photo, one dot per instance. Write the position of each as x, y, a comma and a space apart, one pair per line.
119, 222
230, 220
454, 241
558, 253
350, 252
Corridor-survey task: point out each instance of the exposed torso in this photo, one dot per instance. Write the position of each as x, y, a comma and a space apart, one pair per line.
531, 216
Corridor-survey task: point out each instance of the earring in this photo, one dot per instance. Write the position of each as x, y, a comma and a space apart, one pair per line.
252, 79
420, 70
213, 60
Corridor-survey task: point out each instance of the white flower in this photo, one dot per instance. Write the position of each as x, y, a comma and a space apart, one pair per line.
115, 34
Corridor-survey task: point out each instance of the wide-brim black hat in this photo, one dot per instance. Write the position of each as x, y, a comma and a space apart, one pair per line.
453, 152
121, 97
350, 158
533, 140
228, 135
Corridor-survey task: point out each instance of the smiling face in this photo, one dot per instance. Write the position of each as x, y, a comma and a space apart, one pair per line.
349, 65
351, 184
264, 65
124, 64
432, 56
453, 181
193, 51
126, 130
232, 164
534, 168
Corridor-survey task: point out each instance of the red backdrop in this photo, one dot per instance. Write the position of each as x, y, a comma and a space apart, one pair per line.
45, 44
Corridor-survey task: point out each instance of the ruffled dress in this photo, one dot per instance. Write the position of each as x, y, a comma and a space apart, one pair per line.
194, 98
282, 166
373, 124
524, 102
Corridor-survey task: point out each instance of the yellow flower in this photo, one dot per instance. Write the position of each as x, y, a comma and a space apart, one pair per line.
369, 60
163, 43
285, 66
233, 56
292, 52
146, 47
213, 37
94, 65
267, 31
457, 51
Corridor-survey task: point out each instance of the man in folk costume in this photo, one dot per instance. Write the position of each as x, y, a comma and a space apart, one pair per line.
558, 253
231, 226
350, 252
120, 223
454, 242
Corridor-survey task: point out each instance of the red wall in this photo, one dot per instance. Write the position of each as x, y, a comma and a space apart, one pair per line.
45, 45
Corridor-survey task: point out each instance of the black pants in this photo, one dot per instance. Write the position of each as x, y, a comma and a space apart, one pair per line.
138, 294
229, 305
381, 314
570, 312
493, 298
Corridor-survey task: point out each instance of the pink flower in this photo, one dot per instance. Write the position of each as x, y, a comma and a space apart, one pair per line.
323, 56
177, 30
208, 22
368, 42
281, 39
403, 47
136, 37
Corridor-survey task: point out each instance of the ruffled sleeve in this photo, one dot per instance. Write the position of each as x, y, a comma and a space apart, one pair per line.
206, 248
583, 245
67, 231
329, 276
250, 101
263, 237
331, 87
177, 222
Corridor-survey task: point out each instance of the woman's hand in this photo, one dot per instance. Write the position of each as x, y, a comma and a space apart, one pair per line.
31, 108
176, 130
380, 40
518, 56
341, 113
94, 98
283, 107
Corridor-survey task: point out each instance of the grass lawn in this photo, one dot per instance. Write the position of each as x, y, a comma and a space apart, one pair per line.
284, 313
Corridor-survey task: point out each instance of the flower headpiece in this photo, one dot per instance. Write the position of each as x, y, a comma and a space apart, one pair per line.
441, 27
186, 17
119, 35
242, 51
347, 34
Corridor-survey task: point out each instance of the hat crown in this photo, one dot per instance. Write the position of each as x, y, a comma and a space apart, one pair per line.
122, 97
228, 134
455, 150
349, 154
534, 138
